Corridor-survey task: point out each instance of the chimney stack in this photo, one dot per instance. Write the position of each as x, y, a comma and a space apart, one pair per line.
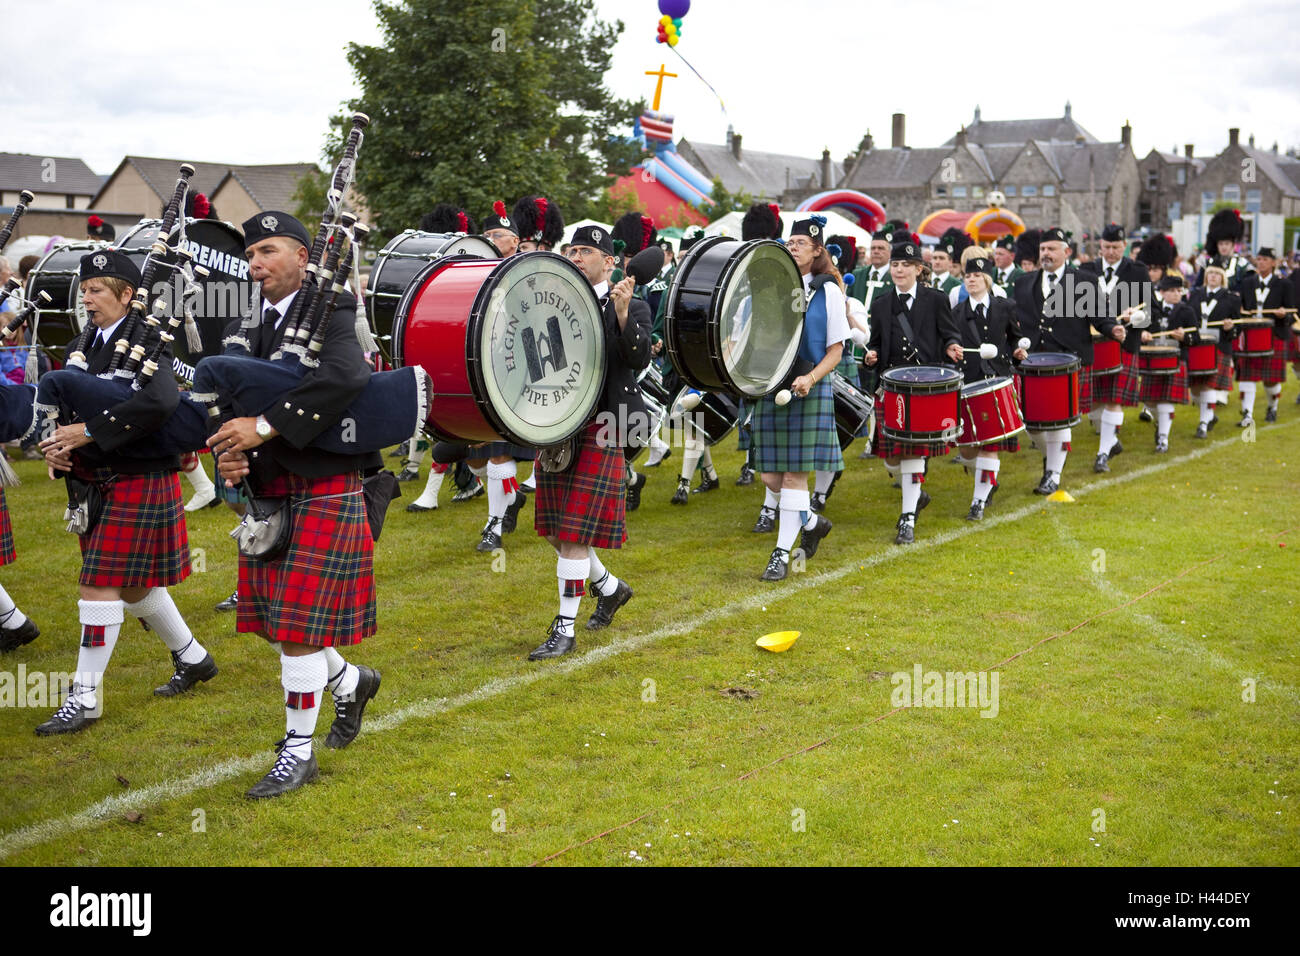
735, 146
827, 170
961, 136
1126, 134
868, 143
900, 124
1252, 141
1187, 150
1233, 135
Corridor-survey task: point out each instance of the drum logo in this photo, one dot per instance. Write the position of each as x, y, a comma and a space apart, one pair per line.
543, 350
900, 410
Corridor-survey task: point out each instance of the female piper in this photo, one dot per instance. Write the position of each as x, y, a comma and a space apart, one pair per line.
138, 547
1213, 302
793, 439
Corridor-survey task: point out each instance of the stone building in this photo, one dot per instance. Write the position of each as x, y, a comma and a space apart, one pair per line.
766, 176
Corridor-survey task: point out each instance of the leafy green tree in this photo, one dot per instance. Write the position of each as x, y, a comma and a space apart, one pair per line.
725, 202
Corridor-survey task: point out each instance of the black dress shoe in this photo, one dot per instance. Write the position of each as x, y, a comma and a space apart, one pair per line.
68, 719
922, 501
510, 520
607, 606
707, 484
473, 491
347, 713
746, 475
634, 492
399, 451
408, 474
1246, 420
1201, 431
289, 773
1145, 415
976, 512
1101, 466
1116, 449
683, 493
1046, 486
555, 645
1271, 414
229, 604
811, 539
413, 507
766, 521
490, 540
1214, 420
906, 529
12, 638
777, 566
187, 675
817, 502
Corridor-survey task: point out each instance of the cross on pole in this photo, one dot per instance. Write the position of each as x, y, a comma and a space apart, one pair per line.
659, 86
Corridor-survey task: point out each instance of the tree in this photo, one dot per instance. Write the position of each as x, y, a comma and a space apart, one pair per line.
725, 202
615, 201
496, 99
309, 196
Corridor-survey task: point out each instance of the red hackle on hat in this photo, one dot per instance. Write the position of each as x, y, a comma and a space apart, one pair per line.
95, 222
647, 230
201, 206
541, 208
462, 221
776, 210
499, 208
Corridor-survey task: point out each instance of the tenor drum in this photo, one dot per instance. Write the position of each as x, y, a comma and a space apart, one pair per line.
852, 410
404, 258
714, 417
1107, 358
58, 275
734, 316
1203, 357
515, 347
1158, 360
920, 404
990, 411
1254, 338
1049, 390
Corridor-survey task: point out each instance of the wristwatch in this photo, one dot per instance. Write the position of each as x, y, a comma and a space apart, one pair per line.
263, 427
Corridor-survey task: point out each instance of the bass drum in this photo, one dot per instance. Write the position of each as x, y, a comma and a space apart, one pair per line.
713, 418
399, 262
58, 275
515, 347
224, 292
734, 316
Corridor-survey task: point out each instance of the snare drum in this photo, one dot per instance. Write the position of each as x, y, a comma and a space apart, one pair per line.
515, 347
1106, 355
405, 257
920, 404
658, 412
729, 325
1203, 358
714, 417
1049, 390
1254, 338
1158, 360
852, 409
990, 411
652, 385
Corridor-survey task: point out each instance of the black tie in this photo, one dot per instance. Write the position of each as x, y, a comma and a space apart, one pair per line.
979, 312
907, 301
1110, 274
1051, 278
97, 344
270, 315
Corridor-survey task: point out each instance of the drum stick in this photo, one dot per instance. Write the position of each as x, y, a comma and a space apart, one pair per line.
1024, 344
1156, 335
783, 397
986, 351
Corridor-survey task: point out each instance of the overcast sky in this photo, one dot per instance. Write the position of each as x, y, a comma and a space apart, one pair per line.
254, 82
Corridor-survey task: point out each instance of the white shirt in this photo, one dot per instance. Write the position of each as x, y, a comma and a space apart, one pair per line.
976, 303
939, 279
281, 307
837, 318
1048, 284
601, 288
105, 334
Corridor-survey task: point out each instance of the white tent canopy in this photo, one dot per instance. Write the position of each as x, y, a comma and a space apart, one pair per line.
836, 225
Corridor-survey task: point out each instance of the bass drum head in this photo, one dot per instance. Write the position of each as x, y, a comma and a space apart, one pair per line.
735, 316
536, 349
58, 274
404, 258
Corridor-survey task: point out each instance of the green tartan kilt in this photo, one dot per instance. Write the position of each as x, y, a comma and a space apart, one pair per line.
799, 436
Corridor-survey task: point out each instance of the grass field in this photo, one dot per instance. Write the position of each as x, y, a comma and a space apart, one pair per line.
1128, 631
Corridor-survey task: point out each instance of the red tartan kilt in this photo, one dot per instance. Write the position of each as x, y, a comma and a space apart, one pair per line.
1123, 387
140, 539
1166, 388
7, 552
1269, 369
585, 503
1006, 444
1220, 379
1293, 349
321, 591
888, 448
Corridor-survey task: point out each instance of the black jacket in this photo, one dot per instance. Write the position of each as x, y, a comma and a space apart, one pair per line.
933, 329
1134, 279
1180, 316
1063, 322
1227, 305
1281, 295
1000, 327
627, 353
315, 404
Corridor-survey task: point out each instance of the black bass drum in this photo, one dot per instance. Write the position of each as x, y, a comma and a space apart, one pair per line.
58, 275
734, 316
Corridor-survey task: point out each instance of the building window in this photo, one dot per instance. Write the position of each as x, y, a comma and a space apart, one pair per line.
1029, 191
977, 191
941, 190
1153, 179
69, 202
1254, 200
958, 192
1175, 212
1049, 190
1181, 175
1207, 203
1144, 213
1009, 190
1232, 193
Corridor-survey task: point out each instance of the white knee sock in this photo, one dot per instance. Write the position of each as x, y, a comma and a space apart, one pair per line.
1207, 405
1164, 418
10, 616
158, 612
573, 574
1274, 392
892, 469
414, 455
1110, 422
1247, 390
1057, 447
198, 477
658, 448
101, 622
706, 464
478, 472
341, 677
692, 452
429, 497
303, 679
531, 481
986, 476
604, 582
794, 508
500, 491
911, 476
822, 481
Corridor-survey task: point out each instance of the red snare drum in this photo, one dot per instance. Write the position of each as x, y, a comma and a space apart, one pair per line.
515, 347
920, 404
1254, 339
1158, 360
1107, 358
990, 411
1203, 358
1049, 388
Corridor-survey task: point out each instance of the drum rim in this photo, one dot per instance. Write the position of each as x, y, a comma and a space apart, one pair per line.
1028, 367
986, 385
90, 245
677, 400
941, 386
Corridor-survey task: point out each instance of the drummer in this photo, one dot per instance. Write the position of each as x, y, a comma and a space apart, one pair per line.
986, 318
911, 326
1171, 315
793, 439
1267, 295
1213, 302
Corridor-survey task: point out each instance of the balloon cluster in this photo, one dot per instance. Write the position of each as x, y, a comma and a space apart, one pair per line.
670, 24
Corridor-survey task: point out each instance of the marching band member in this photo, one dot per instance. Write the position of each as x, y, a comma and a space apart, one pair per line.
1212, 302
583, 507
984, 317
913, 326
1165, 391
1118, 277
319, 595
1266, 294
943, 261
1224, 232
793, 439
1004, 259
138, 546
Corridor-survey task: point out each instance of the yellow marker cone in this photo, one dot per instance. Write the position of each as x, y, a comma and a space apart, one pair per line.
778, 641
1060, 495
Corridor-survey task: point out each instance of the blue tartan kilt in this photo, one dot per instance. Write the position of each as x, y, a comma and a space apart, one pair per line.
800, 436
